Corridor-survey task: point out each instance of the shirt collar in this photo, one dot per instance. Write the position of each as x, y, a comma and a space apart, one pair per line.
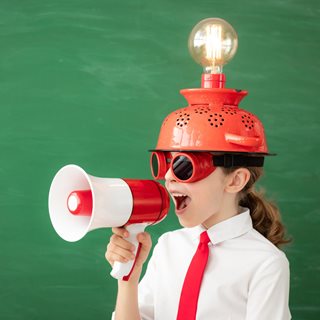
228, 229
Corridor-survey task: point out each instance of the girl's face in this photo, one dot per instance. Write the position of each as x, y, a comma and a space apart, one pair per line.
202, 202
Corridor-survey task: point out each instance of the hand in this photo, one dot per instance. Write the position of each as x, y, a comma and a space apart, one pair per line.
119, 249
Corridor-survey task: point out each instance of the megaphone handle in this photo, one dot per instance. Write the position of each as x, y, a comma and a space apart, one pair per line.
123, 270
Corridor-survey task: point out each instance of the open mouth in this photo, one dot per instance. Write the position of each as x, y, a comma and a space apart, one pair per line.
181, 201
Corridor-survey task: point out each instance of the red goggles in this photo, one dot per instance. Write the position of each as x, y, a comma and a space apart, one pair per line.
185, 167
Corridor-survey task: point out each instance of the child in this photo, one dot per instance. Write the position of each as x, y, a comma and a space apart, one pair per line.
245, 275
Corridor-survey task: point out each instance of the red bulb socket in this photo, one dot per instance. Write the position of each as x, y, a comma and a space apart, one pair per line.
213, 80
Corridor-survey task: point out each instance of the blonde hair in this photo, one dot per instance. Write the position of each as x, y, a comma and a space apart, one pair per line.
265, 214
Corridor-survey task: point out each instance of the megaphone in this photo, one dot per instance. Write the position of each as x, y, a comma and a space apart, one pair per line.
79, 203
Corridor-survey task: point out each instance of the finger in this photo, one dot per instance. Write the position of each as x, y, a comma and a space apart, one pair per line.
121, 232
119, 254
122, 243
113, 257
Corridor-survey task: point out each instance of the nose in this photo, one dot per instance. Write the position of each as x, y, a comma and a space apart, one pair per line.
169, 176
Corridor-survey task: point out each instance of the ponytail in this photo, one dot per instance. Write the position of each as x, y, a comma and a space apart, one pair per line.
265, 214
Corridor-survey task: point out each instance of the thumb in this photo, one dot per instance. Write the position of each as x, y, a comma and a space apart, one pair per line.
146, 243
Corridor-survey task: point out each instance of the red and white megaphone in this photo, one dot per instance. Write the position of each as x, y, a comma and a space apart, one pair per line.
79, 203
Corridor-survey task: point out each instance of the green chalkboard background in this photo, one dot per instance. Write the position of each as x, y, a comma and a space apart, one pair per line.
90, 81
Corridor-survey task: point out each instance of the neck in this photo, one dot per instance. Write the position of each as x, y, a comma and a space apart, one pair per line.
227, 211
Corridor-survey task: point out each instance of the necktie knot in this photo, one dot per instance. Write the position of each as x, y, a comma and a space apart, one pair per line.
204, 238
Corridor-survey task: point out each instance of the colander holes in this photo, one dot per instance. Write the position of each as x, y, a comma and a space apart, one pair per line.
229, 110
215, 119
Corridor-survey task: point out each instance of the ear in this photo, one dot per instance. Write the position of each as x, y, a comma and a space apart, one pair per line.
237, 180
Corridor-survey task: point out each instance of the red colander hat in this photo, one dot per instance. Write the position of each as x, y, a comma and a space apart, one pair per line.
213, 122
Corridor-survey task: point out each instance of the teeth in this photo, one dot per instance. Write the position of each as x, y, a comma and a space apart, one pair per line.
181, 200
179, 195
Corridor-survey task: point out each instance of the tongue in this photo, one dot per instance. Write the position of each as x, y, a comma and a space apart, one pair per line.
184, 203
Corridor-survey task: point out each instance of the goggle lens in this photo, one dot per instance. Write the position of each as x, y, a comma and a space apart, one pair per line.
155, 165
182, 167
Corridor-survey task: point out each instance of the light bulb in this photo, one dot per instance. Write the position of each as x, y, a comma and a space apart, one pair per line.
212, 43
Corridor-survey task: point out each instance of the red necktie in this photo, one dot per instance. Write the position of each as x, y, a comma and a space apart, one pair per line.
192, 282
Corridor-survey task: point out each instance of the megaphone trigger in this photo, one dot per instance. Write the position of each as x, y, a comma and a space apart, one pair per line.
123, 270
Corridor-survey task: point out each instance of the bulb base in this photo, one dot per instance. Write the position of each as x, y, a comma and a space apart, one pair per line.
213, 80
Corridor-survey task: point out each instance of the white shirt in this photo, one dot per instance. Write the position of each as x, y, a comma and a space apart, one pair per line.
246, 277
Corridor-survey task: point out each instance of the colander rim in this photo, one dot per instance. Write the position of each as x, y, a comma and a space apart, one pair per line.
218, 153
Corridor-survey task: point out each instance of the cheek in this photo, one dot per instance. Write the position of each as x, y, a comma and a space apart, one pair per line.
207, 194
209, 199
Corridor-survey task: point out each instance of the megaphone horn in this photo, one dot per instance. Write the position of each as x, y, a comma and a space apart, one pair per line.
79, 203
